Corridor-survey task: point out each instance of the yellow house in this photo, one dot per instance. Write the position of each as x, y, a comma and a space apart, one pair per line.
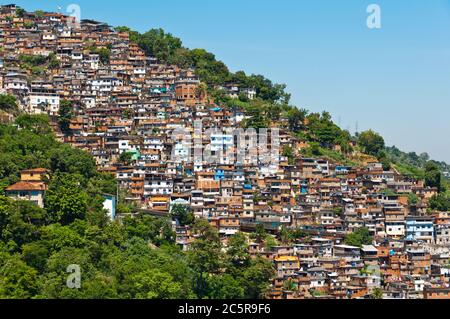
286, 265
31, 187
34, 175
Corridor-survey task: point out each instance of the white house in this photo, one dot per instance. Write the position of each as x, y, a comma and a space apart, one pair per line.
44, 103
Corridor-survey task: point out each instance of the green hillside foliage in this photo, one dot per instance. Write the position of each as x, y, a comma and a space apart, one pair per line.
169, 49
38, 64
8, 103
412, 163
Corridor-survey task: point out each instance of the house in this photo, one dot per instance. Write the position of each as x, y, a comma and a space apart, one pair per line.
31, 187
430, 293
369, 254
286, 265
347, 252
442, 235
42, 102
420, 229
420, 260
109, 204
157, 184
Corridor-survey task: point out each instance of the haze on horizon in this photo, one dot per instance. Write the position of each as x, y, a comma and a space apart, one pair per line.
395, 80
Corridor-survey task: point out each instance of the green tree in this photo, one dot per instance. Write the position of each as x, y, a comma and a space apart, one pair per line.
288, 152
35, 254
371, 142
439, 203
65, 116
225, 286
182, 214
273, 112
154, 284
53, 62
65, 159
322, 130
17, 279
149, 228
8, 103
157, 43
296, 119
237, 252
126, 158
38, 124
285, 235
20, 221
256, 278
413, 200
39, 14
359, 237
260, 233
297, 233
66, 200
377, 293
58, 237
289, 285
256, 119
432, 176
104, 54
270, 242
205, 255
20, 12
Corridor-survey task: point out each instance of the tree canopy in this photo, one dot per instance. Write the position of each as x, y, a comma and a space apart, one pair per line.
359, 237
371, 142
8, 103
169, 49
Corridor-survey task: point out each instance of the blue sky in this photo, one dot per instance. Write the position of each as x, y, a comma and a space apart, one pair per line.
395, 80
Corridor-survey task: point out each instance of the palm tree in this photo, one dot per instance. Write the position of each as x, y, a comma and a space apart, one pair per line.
377, 293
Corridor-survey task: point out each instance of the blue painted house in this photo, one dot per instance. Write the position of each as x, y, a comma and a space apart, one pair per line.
219, 175
420, 229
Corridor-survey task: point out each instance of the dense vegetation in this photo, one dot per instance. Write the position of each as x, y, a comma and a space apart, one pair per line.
8, 104
359, 238
38, 65
411, 163
134, 258
169, 49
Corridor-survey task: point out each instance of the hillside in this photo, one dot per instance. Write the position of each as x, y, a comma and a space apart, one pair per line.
273, 105
97, 172
136, 258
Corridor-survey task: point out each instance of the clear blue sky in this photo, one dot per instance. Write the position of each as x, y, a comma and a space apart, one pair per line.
395, 80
